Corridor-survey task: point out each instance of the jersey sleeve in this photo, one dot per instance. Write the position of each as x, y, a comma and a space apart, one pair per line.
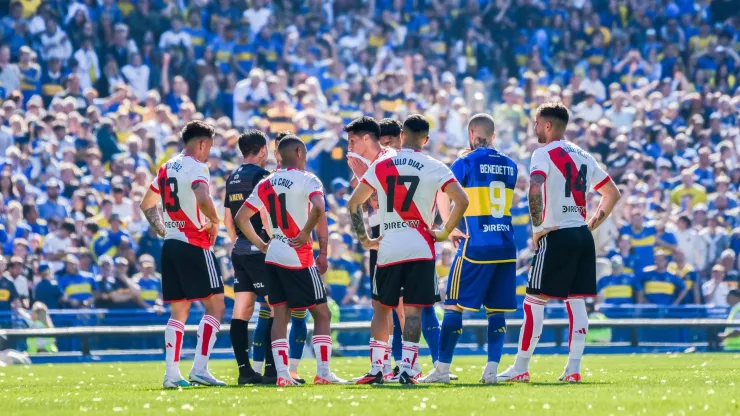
458, 169
539, 164
599, 177
155, 182
370, 178
443, 176
200, 174
313, 186
254, 202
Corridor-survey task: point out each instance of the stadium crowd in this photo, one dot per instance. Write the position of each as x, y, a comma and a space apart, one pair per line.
94, 93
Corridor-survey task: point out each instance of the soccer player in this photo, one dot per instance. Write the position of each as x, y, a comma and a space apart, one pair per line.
564, 264
248, 261
407, 184
293, 274
189, 224
484, 268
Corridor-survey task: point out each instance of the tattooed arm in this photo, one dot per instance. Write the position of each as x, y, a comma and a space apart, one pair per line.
361, 194
609, 197
149, 206
536, 203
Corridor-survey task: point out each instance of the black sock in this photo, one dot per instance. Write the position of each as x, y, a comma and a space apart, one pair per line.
240, 342
270, 370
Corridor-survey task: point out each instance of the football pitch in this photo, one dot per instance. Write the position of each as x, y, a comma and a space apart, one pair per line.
676, 384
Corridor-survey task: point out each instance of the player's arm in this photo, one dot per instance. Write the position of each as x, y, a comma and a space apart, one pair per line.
361, 194
229, 224
205, 203
610, 195
318, 211
536, 206
242, 220
455, 192
322, 234
151, 211
444, 204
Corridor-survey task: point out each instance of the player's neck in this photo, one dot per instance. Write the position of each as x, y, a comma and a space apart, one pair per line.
412, 146
253, 160
555, 139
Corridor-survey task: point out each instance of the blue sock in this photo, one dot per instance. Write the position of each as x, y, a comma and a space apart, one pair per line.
450, 334
397, 339
298, 334
496, 336
260, 332
430, 329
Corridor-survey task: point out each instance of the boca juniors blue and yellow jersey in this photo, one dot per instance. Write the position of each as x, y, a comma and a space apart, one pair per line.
488, 178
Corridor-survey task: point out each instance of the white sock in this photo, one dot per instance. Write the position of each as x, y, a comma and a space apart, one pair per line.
578, 317
534, 315
280, 352
207, 332
410, 352
173, 344
322, 350
294, 364
387, 357
257, 366
442, 368
377, 352
491, 368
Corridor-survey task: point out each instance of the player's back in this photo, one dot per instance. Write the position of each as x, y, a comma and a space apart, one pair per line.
489, 178
239, 186
570, 172
182, 218
286, 195
407, 184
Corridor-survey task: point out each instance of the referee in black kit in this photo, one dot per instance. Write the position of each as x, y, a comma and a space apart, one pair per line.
248, 261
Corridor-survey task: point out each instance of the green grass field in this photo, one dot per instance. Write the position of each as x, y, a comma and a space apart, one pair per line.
613, 385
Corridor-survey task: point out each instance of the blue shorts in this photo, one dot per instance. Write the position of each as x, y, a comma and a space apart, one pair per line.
491, 285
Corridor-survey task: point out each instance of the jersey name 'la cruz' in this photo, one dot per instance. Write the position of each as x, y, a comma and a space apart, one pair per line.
407, 184
286, 195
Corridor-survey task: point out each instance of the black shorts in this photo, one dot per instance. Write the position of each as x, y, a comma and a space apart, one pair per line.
189, 272
299, 288
374, 233
564, 265
250, 273
417, 279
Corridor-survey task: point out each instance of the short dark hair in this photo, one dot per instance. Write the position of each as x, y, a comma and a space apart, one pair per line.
390, 127
281, 135
69, 226
735, 293
251, 142
554, 110
415, 124
196, 129
483, 121
288, 141
364, 125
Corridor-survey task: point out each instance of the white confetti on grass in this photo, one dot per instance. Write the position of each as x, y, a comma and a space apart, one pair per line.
546, 406
118, 409
97, 399
187, 407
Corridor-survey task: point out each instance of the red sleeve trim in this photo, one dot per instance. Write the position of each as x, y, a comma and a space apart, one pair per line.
538, 172
602, 183
367, 183
199, 180
250, 206
449, 181
155, 190
315, 193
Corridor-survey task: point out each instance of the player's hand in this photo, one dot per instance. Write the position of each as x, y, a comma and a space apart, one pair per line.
300, 240
440, 235
263, 247
212, 230
537, 236
358, 167
322, 263
372, 243
455, 236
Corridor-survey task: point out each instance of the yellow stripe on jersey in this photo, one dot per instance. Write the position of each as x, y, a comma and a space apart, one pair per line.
619, 291
499, 310
664, 288
485, 200
455, 285
643, 242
